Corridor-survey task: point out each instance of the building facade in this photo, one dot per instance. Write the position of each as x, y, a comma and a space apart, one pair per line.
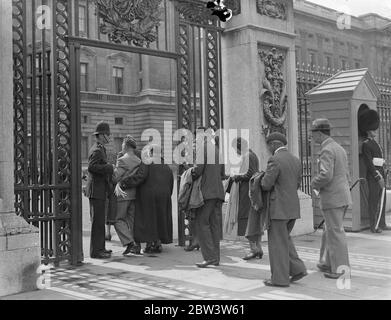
331, 40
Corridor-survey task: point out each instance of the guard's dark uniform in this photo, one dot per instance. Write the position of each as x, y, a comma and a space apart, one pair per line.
97, 189
370, 150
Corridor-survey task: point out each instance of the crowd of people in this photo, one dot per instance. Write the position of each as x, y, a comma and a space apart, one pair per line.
142, 211
258, 200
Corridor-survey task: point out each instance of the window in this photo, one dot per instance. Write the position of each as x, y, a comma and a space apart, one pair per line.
118, 76
83, 20
343, 64
328, 62
312, 59
119, 120
84, 148
357, 65
84, 119
84, 76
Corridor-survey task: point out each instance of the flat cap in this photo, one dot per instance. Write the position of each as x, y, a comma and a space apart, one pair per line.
321, 124
276, 136
102, 128
130, 141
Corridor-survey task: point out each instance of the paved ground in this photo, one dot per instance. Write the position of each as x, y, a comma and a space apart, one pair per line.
172, 274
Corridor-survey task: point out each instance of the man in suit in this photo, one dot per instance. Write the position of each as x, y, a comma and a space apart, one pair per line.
372, 157
282, 178
97, 189
332, 183
208, 217
127, 163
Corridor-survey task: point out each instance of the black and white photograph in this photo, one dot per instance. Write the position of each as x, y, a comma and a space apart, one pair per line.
195, 157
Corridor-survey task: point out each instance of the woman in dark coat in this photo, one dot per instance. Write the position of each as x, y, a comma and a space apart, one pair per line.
153, 218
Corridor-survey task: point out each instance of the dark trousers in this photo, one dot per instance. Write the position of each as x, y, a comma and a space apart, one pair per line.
97, 213
374, 200
284, 260
208, 228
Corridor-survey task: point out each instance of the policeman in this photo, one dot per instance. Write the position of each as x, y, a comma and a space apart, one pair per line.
97, 189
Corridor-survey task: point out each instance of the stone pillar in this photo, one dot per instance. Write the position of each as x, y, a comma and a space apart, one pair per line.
19, 242
260, 27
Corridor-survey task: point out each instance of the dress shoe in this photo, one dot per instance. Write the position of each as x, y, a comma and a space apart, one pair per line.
204, 264
101, 255
108, 251
323, 267
299, 276
157, 249
136, 249
378, 230
253, 255
269, 283
332, 275
192, 247
128, 249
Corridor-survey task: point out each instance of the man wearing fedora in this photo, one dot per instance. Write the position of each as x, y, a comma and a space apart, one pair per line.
282, 179
332, 184
97, 188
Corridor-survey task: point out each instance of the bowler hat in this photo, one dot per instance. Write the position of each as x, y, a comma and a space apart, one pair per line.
276, 136
320, 125
102, 128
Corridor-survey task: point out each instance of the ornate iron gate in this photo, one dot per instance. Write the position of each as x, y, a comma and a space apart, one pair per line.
308, 77
46, 166
198, 36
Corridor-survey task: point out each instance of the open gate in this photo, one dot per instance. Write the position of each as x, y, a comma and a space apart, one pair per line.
47, 42
198, 41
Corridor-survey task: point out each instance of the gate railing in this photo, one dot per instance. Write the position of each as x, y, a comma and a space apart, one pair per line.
308, 77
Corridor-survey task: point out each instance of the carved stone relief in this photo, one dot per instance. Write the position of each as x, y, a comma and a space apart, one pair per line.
134, 21
273, 96
273, 9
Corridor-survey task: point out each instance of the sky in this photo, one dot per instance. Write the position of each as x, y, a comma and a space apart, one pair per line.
358, 7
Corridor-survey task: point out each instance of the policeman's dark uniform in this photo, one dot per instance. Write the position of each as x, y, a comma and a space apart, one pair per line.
97, 189
370, 150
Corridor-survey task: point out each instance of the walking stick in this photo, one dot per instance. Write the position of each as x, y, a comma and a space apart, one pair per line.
351, 188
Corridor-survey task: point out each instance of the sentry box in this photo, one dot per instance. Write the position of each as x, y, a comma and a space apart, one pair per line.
339, 99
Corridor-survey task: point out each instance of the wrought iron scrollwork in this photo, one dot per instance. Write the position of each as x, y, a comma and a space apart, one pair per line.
20, 130
63, 121
134, 22
273, 95
212, 82
184, 76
